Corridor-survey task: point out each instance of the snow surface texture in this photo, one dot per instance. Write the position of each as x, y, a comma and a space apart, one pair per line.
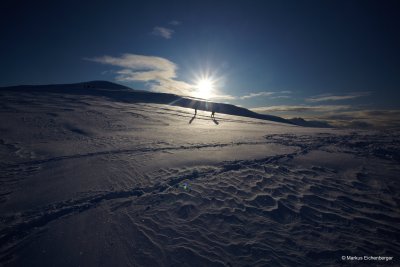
86, 181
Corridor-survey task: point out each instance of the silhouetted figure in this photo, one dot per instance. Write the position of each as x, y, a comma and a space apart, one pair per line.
213, 109
195, 108
213, 114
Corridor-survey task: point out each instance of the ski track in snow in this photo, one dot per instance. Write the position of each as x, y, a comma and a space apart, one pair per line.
321, 195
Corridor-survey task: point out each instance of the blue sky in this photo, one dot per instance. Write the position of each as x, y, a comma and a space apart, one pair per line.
331, 60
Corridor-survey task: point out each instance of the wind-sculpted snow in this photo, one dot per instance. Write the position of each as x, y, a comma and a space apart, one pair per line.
92, 182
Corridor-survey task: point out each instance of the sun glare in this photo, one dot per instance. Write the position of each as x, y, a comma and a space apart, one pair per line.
204, 88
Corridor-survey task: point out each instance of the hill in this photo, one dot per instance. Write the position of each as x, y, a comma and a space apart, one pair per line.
122, 93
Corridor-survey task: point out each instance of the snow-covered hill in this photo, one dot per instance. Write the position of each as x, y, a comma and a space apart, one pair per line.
122, 93
93, 175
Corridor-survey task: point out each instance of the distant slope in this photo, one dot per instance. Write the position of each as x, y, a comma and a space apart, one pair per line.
125, 94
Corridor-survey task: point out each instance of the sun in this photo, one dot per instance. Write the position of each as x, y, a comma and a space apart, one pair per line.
204, 87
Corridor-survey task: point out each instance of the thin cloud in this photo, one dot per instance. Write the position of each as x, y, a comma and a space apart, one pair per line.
362, 118
338, 115
367, 114
157, 72
301, 108
269, 94
222, 97
162, 32
331, 97
251, 95
280, 96
175, 22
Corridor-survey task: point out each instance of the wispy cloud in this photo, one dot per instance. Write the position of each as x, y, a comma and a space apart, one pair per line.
175, 22
157, 72
338, 115
222, 97
362, 118
269, 94
301, 108
280, 96
331, 97
162, 32
251, 95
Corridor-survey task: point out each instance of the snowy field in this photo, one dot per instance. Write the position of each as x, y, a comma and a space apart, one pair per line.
86, 181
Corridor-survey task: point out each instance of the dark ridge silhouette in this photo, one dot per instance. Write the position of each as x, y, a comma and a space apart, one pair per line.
303, 122
122, 93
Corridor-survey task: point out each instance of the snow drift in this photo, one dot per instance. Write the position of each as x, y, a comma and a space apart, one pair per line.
94, 177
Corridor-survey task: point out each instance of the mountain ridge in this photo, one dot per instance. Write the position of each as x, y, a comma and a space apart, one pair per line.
126, 94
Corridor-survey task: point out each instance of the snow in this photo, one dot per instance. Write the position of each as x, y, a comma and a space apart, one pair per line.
87, 180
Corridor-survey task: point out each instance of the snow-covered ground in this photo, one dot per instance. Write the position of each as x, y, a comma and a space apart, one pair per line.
86, 181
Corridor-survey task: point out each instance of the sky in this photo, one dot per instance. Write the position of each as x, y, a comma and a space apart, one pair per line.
336, 61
